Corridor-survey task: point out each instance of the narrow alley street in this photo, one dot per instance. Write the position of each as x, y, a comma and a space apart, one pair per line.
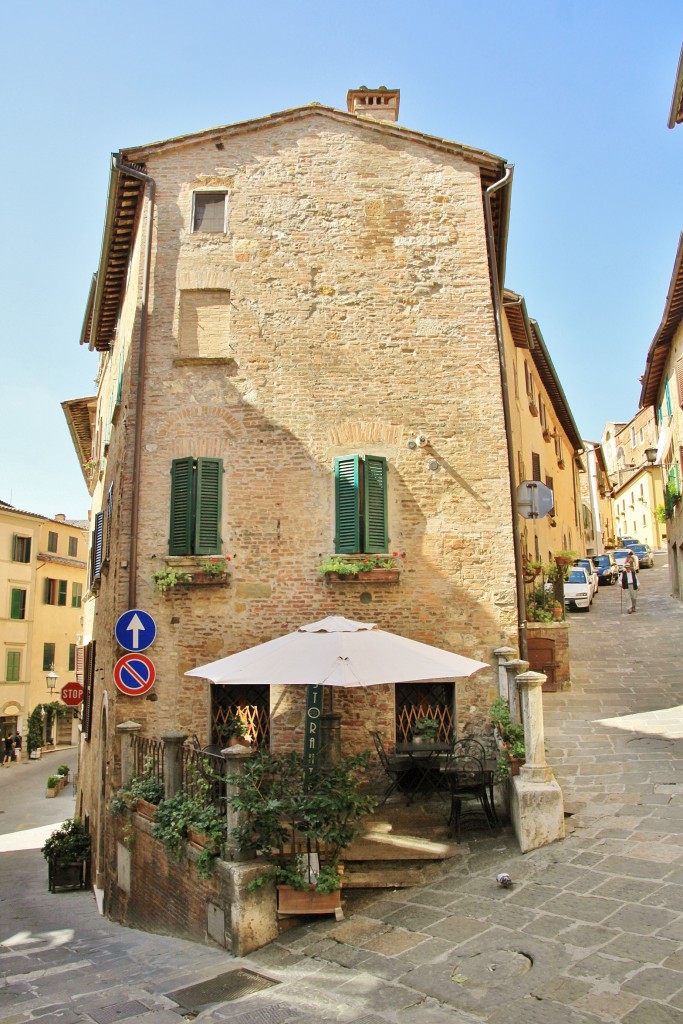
591, 930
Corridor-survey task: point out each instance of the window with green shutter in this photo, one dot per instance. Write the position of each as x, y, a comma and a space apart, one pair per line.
13, 667
48, 657
17, 604
196, 497
360, 504
61, 593
76, 595
21, 549
72, 658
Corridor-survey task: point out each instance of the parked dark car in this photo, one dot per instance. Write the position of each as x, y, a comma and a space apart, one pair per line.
644, 553
607, 570
628, 542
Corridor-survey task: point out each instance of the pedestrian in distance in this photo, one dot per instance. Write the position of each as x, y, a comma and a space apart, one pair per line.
8, 751
17, 745
630, 582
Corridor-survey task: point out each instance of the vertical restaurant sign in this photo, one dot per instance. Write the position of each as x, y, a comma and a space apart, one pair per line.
314, 699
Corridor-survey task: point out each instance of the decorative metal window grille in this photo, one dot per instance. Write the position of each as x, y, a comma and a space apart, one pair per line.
251, 703
431, 700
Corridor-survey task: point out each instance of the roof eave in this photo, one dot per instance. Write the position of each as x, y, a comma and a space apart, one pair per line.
676, 112
561, 407
659, 347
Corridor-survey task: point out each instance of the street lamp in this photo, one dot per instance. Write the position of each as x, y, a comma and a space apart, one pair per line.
651, 455
51, 678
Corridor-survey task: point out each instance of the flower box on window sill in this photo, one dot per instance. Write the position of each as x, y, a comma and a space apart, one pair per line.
547, 436
374, 576
533, 408
560, 463
197, 571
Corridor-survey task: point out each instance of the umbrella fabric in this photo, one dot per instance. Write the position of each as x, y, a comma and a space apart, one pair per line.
338, 652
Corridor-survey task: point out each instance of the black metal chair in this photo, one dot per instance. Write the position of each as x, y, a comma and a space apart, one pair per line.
396, 768
467, 780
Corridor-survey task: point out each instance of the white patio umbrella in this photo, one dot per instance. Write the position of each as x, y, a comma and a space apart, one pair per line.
338, 652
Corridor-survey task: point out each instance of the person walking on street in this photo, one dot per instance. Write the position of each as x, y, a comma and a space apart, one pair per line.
17, 746
8, 750
629, 581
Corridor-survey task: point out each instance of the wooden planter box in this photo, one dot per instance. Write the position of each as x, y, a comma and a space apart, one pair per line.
51, 791
208, 579
374, 576
68, 874
204, 842
145, 809
308, 901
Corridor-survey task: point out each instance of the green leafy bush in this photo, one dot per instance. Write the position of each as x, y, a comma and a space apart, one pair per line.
71, 842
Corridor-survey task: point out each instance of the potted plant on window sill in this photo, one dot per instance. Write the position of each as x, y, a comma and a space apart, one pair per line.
361, 568
425, 730
547, 435
299, 821
67, 852
234, 731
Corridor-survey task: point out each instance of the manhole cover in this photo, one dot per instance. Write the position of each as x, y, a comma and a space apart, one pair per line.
118, 1011
231, 985
491, 969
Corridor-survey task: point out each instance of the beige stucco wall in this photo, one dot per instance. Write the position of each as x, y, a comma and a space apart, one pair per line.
61, 625
539, 537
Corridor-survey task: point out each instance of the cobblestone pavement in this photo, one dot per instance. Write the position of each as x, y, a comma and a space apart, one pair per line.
591, 930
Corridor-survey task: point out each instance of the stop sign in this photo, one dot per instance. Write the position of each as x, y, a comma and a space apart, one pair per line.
72, 694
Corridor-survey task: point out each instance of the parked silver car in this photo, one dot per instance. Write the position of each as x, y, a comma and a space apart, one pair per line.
620, 556
644, 554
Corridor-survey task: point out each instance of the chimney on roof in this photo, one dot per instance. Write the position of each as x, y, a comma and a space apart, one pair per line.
60, 518
380, 104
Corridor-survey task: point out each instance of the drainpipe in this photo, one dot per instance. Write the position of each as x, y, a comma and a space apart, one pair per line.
497, 284
133, 172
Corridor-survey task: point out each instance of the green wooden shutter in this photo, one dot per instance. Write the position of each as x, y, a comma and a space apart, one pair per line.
207, 530
375, 499
182, 507
61, 596
48, 591
347, 505
18, 604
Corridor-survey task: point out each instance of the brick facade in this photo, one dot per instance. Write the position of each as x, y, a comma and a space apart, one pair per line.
346, 309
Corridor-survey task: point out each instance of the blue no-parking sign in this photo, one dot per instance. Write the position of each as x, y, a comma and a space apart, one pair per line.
135, 630
134, 674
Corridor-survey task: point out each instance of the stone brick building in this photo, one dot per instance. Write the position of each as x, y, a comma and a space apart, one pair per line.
282, 307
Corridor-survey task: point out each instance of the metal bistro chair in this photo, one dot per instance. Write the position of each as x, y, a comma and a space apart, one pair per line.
467, 780
395, 767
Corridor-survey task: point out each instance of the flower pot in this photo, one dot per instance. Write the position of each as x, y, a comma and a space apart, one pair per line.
208, 579
515, 764
145, 809
68, 874
373, 576
51, 791
308, 901
239, 741
203, 842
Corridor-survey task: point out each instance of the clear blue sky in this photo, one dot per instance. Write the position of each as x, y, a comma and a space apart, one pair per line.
575, 94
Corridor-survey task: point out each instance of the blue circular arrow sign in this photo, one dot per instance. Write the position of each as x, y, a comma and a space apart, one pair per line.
134, 674
135, 630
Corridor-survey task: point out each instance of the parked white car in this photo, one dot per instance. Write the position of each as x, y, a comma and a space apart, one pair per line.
591, 568
578, 589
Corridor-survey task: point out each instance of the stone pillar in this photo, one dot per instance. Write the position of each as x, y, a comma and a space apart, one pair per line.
173, 769
236, 758
536, 805
535, 768
330, 738
513, 667
503, 653
127, 730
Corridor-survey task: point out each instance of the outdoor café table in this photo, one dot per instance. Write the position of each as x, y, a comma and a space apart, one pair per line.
426, 760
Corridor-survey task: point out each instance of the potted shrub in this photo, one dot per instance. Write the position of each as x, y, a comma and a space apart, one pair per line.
234, 730
425, 729
299, 821
63, 772
143, 793
67, 852
53, 785
191, 816
509, 739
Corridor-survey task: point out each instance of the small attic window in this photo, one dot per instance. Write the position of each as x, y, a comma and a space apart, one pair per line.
208, 212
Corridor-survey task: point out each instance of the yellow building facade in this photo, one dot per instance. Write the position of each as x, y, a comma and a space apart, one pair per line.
42, 581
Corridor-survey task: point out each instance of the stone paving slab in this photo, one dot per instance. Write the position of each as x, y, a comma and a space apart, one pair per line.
599, 916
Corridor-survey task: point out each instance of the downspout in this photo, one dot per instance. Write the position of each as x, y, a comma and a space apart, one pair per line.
133, 172
496, 284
